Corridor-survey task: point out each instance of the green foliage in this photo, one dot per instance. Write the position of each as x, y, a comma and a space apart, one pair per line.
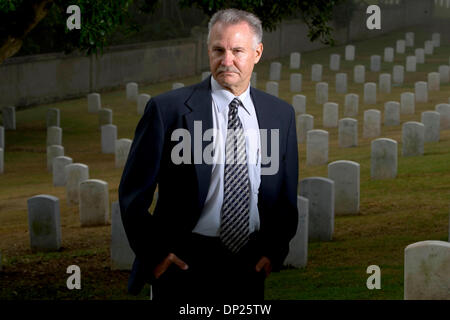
316, 14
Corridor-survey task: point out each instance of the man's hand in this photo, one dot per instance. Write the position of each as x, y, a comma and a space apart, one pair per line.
171, 258
264, 263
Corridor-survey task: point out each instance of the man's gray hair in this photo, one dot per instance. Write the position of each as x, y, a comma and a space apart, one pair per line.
235, 16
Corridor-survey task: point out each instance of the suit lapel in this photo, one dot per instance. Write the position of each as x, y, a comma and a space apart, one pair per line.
198, 121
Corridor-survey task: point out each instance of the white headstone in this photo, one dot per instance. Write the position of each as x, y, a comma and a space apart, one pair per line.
320, 194
59, 172
348, 133
398, 74
434, 81
316, 147
383, 159
109, 137
104, 117
272, 88
298, 246
121, 153
392, 113
52, 117
411, 64
409, 39
426, 271
53, 151
275, 71
296, 82
359, 74
432, 122
385, 83
371, 128
341, 83
420, 55
305, 122
54, 136
375, 63
436, 39
421, 91
295, 60
346, 177
407, 103
429, 47
321, 92
94, 102
94, 202
370, 93
413, 138
132, 91
444, 111
142, 101
44, 223
388, 54
335, 62
330, 115
122, 256
444, 72
351, 105
205, 74
400, 46
177, 85
75, 173
350, 52
316, 72
299, 103
9, 118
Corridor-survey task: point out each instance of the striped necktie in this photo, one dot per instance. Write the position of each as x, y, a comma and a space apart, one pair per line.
234, 227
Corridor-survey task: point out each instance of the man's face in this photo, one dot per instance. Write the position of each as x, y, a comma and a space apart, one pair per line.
232, 55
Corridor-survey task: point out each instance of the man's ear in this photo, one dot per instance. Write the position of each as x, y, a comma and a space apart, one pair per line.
258, 52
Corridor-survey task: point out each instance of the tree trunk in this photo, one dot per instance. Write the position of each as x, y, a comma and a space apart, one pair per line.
12, 44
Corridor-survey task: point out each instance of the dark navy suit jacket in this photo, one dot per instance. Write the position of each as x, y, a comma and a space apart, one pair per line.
182, 189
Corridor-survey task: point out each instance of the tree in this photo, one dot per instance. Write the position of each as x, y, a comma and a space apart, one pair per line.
101, 19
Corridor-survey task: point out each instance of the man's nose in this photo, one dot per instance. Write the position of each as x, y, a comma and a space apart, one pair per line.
227, 59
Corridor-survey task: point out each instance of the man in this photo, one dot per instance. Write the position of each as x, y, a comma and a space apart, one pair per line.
219, 227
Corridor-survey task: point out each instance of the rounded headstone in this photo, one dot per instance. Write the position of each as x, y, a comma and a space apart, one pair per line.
316, 72
44, 223
104, 117
52, 117
371, 127
122, 256
94, 202
9, 118
420, 55
388, 54
305, 122
444, 73
59, 172
335, 62
375, 63
398, 74
321, 92
275, 71
298, 246
132, 91
370, 93
392, 113
320, 194
272, 88
434, 81
400, 46
330, 114
411, 64
142, 101
177, 85
350, 52
421, 91
413, 138
316, 147
299, 103
75, 173
385, 83
429, 47
432, 122
121, 153
296, 82
53, 151
359, 74
109, 137
444, 111
436, 38
94, 102
383, 159
348, 133
295, 60
407, 103
346, 177
409, 39
341, 83
54, 136
205, 74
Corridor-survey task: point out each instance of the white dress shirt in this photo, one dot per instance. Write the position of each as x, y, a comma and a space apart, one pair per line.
209, 222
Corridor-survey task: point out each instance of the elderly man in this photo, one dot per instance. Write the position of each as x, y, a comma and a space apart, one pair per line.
221, 223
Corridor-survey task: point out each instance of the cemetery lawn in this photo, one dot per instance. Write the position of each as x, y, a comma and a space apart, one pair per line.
393, 213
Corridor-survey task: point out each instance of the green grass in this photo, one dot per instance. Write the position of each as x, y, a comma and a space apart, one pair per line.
393, 213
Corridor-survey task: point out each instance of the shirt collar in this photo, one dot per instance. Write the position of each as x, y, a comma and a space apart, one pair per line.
223, 97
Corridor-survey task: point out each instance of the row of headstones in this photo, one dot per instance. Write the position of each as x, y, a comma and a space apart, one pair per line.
375, 60
434, 121
341, 84
45, 226
441, 3
413, 139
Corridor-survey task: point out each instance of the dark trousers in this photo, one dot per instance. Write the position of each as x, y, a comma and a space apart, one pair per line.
214, 274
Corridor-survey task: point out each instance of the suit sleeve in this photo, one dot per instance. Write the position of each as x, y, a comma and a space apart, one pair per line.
284, 221
137, 187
